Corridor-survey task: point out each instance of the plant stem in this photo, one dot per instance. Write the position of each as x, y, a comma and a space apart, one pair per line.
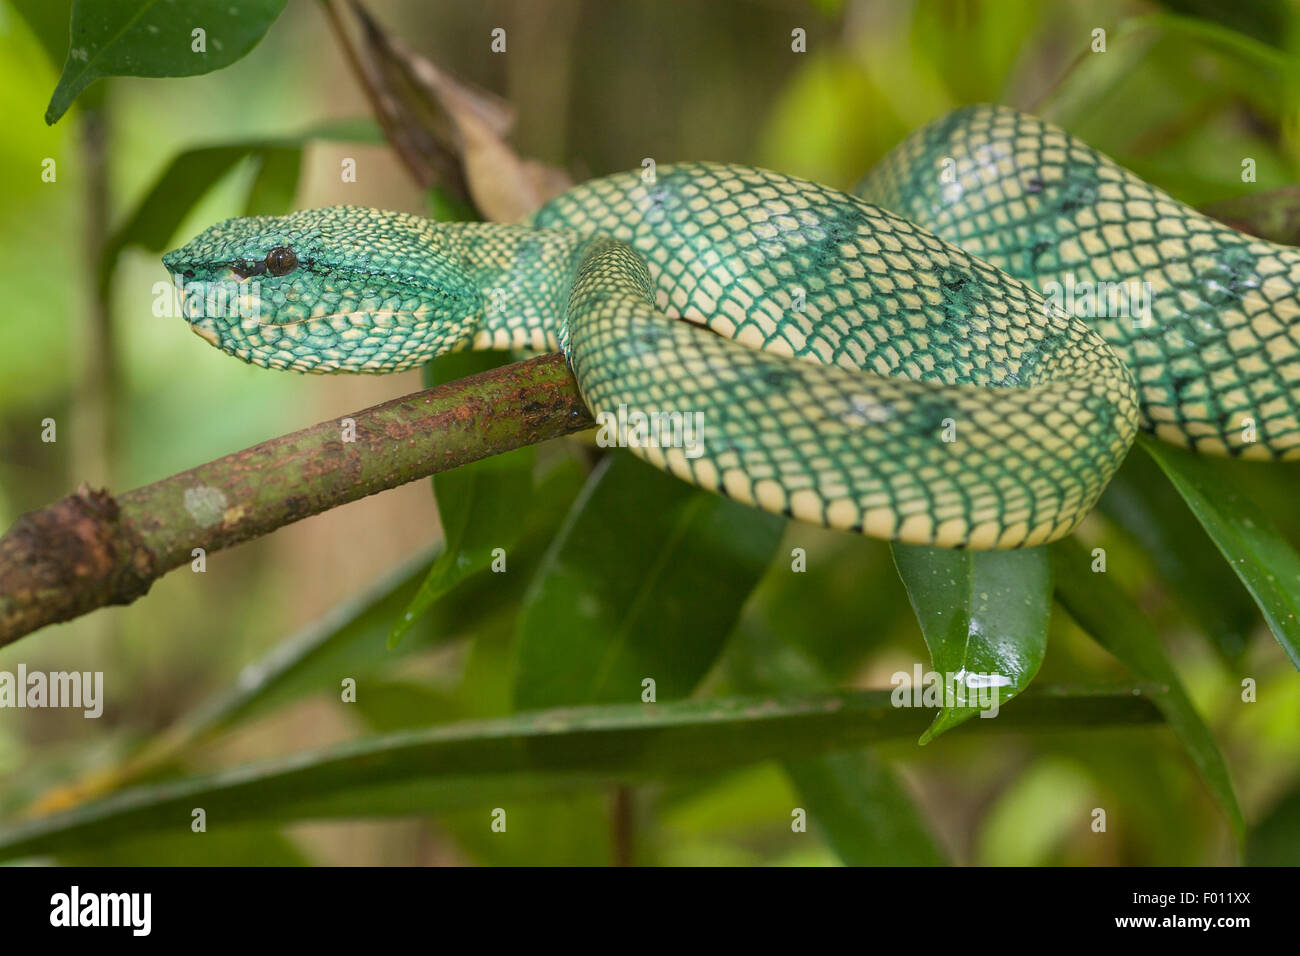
622, 825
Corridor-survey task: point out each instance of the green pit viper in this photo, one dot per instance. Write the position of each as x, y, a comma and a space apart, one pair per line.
885, 362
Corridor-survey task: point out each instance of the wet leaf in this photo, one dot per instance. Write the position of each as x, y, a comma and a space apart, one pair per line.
1265, 561
149, 38
1139, 503
1116, 623
645, 581
984, 617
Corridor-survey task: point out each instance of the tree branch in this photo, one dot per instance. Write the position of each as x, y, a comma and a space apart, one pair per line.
90, 550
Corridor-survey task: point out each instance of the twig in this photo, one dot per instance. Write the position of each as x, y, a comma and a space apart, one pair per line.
622, 817
96, 404
409, 157
90, 550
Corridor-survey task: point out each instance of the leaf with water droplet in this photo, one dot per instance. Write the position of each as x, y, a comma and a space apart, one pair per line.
986, 628
147, 38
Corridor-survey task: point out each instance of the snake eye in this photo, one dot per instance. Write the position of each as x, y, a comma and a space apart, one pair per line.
281, 261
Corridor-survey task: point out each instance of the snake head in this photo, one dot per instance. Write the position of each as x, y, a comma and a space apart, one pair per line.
326, 290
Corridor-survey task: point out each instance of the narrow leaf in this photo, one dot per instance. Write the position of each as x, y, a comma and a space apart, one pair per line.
183, 183
190, 175
480, 761
1264, 560
1139, 503
347, 641
276, 184
863, 809
482, 505
1115, 622
855, 798
1242, 48
645, 582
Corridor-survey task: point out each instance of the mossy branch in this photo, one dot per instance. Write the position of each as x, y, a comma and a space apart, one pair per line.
92, 549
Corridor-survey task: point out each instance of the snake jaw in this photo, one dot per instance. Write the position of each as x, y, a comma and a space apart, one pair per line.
206, 332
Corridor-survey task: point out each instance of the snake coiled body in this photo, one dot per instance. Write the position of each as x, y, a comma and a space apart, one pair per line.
887, 366
1217, 361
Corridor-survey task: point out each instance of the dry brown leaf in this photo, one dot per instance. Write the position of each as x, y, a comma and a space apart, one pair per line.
450, 132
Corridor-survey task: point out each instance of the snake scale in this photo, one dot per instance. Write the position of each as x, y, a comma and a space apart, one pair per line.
900, 362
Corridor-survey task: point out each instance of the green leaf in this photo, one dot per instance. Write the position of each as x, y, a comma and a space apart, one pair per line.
1276, 841
345, 641
1139, 503
190, 175
223, 846
1265, 20
1264, 560
984, 616
48, 20
850, 579
856, 800
645, 581
347, 638
482, 505
276, 183
1115, 622
1241, 47
183, 183
151, 38
392, 705
866, 814
497, 762
567, 829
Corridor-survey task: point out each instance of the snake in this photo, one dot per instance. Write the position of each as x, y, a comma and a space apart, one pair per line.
958, 352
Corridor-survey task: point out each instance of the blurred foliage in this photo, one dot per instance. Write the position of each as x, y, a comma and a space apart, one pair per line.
615, 573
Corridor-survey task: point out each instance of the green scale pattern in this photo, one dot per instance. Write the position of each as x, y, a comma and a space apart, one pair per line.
1220, 348
846, 365
835, 413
